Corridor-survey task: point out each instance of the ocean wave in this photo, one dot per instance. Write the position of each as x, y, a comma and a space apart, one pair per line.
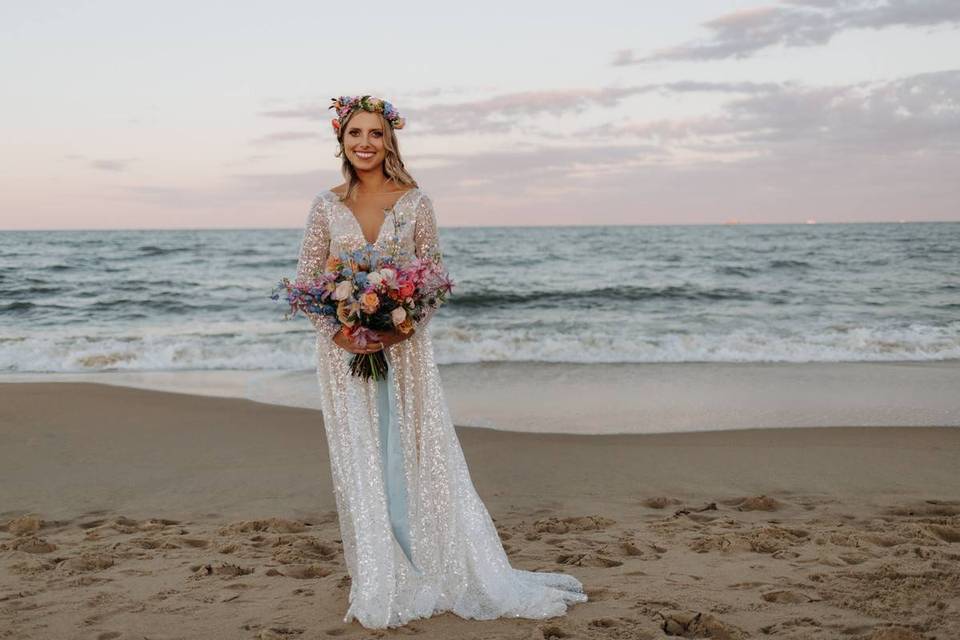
486, 298
152, 250
273, 346
789, 264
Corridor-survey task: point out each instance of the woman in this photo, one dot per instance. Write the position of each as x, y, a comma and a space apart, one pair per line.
417, 539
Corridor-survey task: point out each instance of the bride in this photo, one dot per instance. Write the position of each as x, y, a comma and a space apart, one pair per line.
417, 539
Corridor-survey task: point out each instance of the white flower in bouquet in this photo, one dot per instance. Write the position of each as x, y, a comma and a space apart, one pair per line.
343, 291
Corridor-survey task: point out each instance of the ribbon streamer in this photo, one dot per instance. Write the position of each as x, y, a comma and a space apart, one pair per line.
391, 453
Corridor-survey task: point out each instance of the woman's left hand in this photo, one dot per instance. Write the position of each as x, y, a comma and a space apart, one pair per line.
392, 336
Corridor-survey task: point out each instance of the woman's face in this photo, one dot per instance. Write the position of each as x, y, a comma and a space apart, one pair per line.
363, 141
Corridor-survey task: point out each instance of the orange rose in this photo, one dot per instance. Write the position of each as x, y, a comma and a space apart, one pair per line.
369, 302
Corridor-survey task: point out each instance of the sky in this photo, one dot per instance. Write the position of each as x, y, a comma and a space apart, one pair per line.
121, 115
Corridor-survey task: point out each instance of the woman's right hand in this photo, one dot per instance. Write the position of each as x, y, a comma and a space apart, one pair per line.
341, 340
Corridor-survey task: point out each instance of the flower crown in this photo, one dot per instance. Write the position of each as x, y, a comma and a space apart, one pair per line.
345, 105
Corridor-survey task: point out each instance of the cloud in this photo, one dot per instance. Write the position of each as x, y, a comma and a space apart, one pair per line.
918, 113
112, 165
512, 111
799, 23
773, 151
284, 136
792, 124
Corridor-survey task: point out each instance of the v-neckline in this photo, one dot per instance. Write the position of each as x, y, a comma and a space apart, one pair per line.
356, 222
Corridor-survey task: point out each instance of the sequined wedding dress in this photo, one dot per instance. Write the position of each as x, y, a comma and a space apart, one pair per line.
417, 539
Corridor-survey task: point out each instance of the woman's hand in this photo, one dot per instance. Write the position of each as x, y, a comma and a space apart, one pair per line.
393, 336
344, 342
386, 338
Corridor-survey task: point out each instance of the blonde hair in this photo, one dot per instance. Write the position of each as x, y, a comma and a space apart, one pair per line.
392, 164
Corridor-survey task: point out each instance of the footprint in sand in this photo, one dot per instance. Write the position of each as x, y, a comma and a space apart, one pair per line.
280, 633
300, 550
755, 503
660, 502
598, 594
30, 544
223, 569
91, 561
305, 571
747, 585
554, 632
566, 525
788, 597
689, 511
763, 539
604, 623
645, 551
271, 525
790, 626
196, 543
894, 633
689, 624
926, 508
23, 525
587, 560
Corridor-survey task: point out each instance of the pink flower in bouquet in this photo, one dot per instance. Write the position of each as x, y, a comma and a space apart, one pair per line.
361, 335
388, 277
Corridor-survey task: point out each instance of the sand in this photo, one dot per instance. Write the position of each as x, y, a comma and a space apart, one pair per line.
128, 513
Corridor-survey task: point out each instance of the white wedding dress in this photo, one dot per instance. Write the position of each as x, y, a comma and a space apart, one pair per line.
417, 539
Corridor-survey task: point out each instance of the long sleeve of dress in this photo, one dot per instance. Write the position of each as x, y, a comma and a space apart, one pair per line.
313, 258
427, 244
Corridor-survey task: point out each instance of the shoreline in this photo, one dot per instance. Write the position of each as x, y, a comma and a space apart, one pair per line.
539, 397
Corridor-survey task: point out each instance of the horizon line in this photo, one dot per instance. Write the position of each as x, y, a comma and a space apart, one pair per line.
509, 226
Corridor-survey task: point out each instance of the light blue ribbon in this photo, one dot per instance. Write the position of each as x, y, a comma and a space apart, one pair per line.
391, 453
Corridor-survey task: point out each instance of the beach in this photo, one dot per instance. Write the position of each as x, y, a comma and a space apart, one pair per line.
137, 513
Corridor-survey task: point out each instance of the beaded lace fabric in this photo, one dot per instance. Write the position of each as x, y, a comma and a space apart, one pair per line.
458, 562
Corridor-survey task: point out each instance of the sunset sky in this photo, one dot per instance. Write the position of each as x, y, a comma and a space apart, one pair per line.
215, 114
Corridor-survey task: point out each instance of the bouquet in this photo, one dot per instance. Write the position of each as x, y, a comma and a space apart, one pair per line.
368, 291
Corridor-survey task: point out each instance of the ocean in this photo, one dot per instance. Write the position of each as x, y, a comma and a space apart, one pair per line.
149, 300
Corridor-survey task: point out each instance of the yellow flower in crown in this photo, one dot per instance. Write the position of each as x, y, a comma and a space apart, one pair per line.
345, 105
